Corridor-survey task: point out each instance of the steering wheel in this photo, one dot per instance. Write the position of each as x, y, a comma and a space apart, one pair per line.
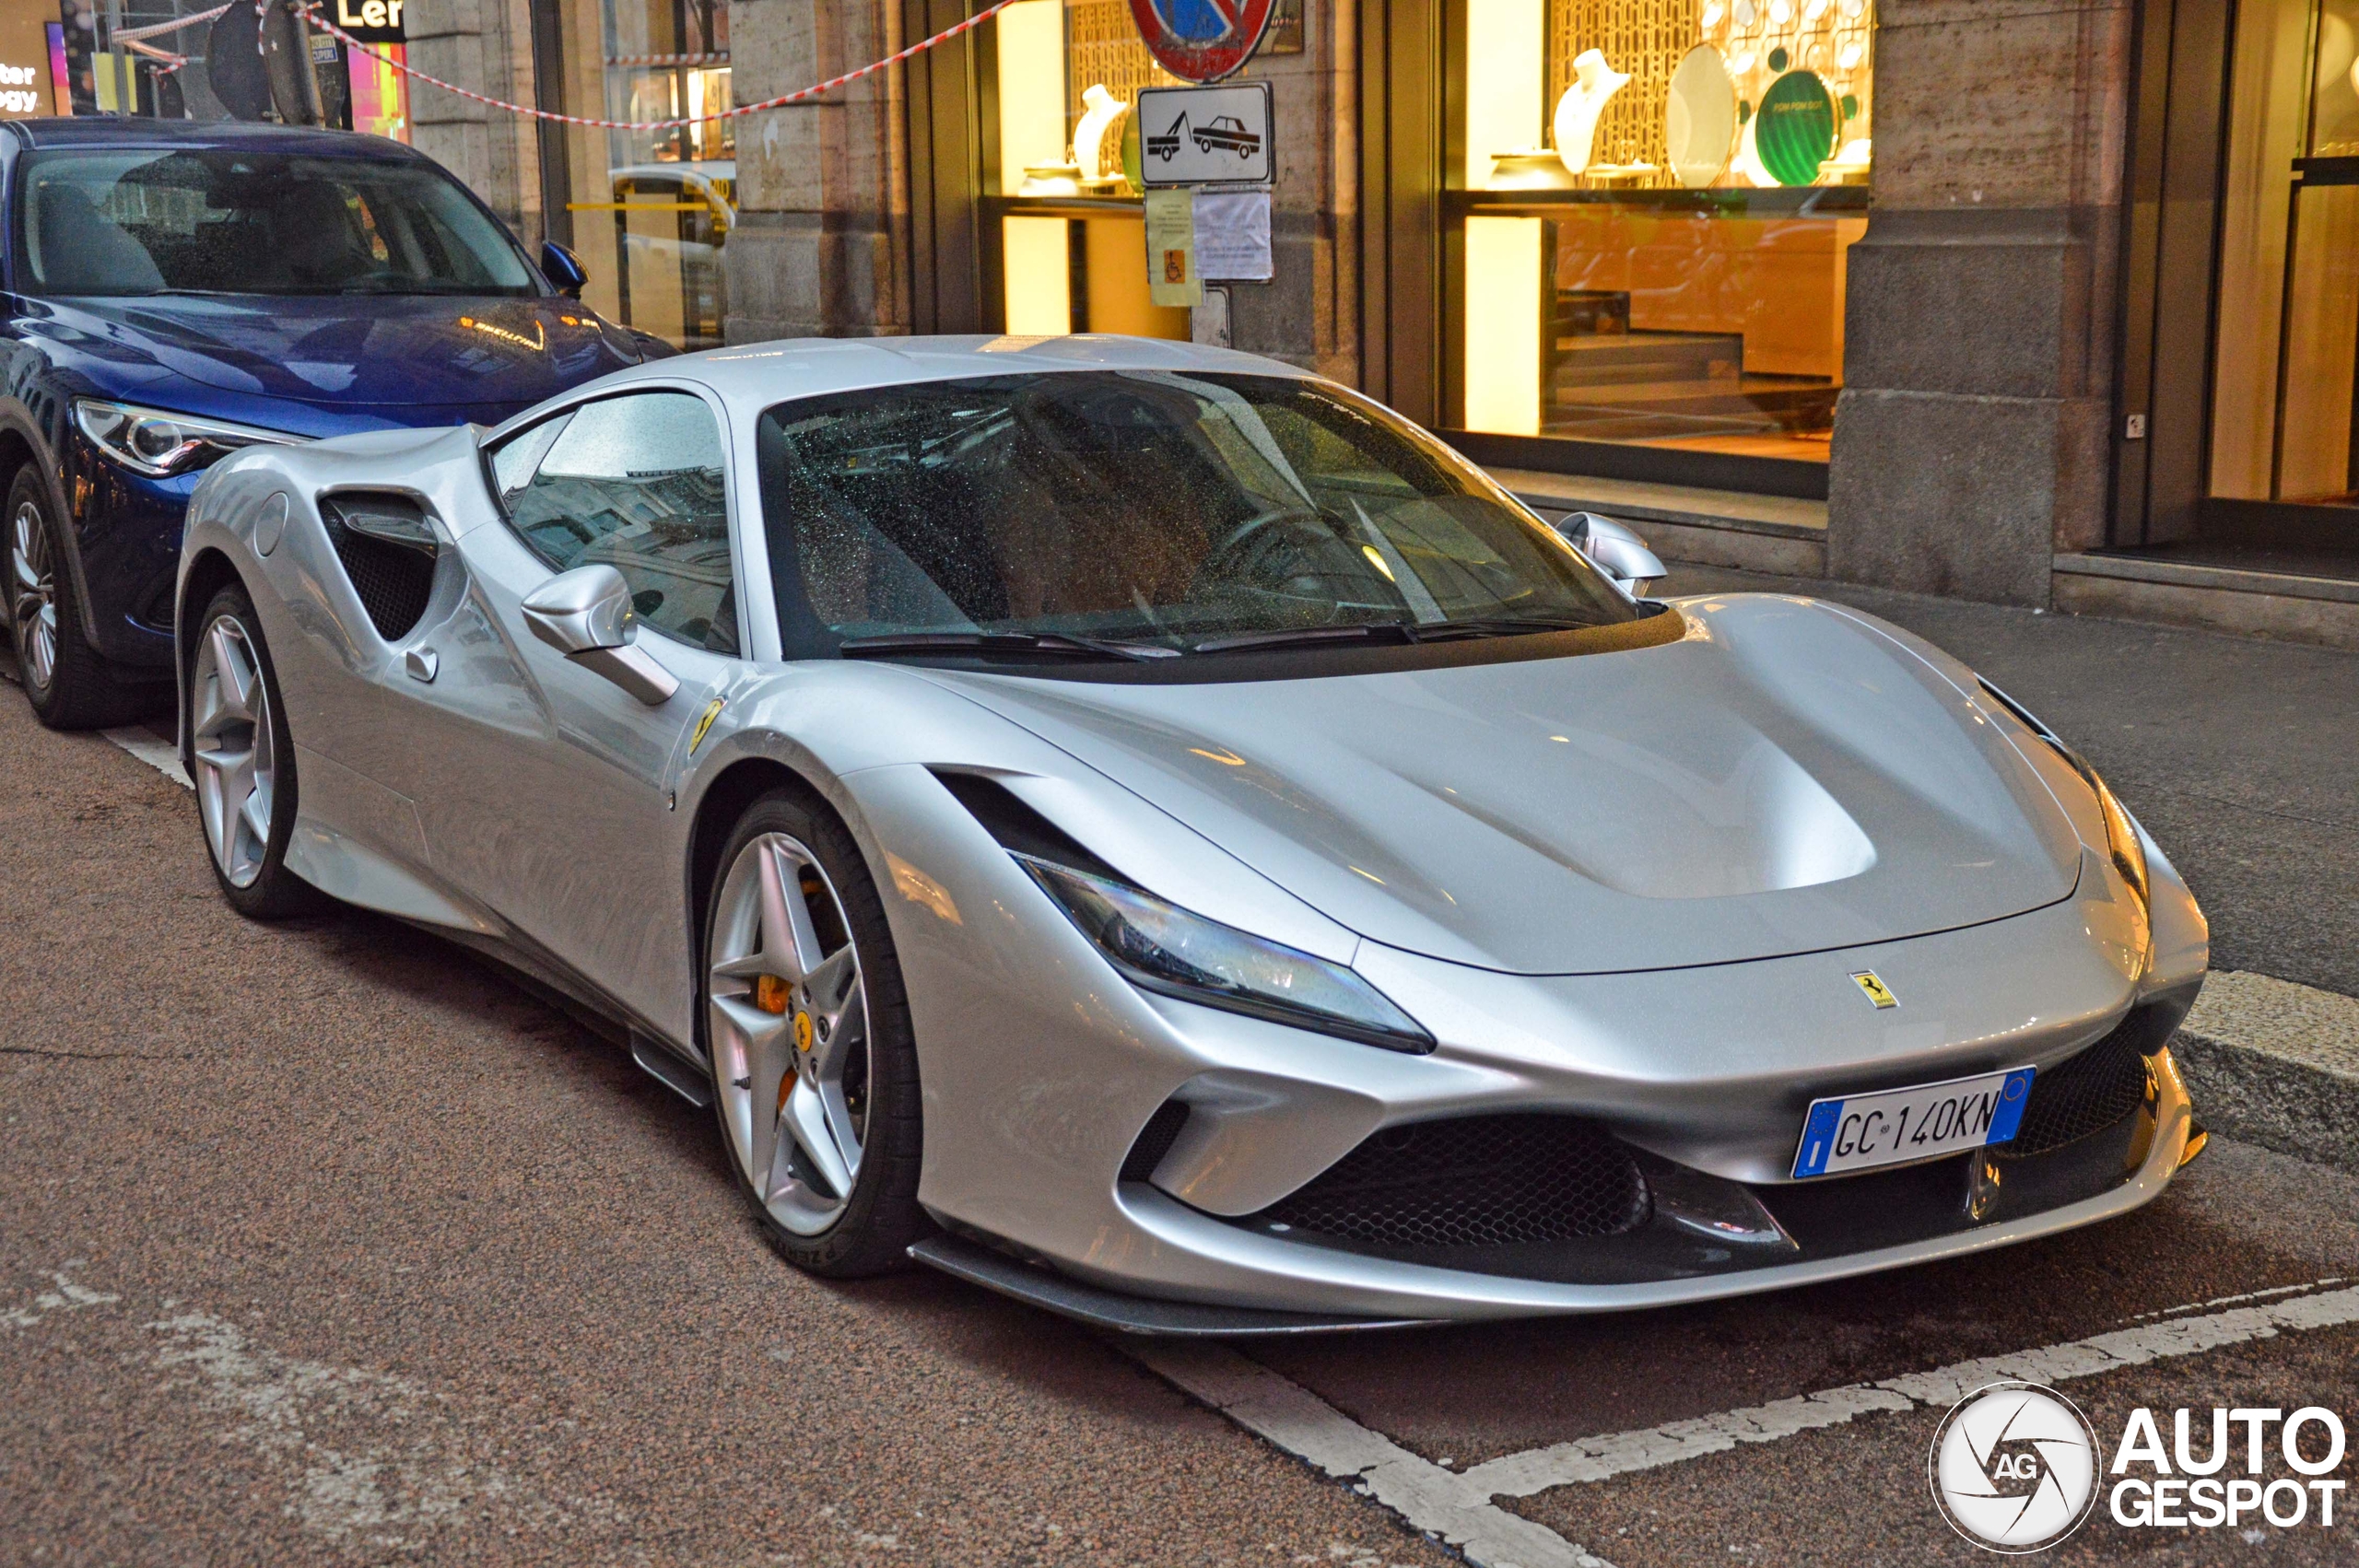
1234, 555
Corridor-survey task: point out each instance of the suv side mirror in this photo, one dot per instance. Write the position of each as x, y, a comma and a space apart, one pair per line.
563, 268
1613, 550
586, 614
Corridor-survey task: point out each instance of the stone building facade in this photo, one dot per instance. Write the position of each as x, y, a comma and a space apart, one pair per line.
1945, 316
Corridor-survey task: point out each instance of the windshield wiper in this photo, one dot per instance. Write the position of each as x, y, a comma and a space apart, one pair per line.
1053, 644
1498, 626
1372, 631
1396, 631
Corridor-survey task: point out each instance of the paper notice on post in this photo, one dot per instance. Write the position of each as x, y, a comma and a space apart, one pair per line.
1233, 235
1172, 277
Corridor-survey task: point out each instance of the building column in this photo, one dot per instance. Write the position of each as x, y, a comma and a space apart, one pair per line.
1972, 439
484, 46
822, 237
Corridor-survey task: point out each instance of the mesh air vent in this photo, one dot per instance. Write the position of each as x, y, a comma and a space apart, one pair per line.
2086, 1095
388, 553
1475, 1181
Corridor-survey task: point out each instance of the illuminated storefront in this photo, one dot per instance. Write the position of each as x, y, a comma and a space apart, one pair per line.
2242, 352
1652, 201
1065, 77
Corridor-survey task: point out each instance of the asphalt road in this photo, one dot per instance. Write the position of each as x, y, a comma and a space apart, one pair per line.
324, 1243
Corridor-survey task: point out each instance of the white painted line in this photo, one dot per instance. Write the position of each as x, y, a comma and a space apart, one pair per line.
161, 756
1429, 1498
2249, 1295
1601, 1458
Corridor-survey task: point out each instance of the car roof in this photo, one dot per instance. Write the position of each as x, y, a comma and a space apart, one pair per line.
754, 375
133, 131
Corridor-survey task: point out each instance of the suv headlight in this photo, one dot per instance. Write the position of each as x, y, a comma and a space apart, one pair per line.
2120, 832
159, 444
1159, 947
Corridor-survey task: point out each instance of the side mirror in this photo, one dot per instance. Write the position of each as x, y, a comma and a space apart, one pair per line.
586, 614
563, 268
1613, 550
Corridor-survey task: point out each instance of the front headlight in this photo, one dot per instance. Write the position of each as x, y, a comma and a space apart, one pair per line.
2120, 832
161, 444
1161, 948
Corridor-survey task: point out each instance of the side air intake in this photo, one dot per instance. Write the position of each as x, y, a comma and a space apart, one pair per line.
388, 551
1017, 826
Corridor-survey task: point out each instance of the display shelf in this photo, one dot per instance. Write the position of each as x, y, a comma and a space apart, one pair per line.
1795, 201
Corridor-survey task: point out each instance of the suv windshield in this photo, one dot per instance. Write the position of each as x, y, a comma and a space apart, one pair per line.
219, 221
1167, 510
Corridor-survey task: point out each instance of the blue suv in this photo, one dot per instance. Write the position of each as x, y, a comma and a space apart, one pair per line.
177, 291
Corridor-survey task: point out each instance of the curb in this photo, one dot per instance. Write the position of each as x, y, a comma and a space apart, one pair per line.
2277, 1064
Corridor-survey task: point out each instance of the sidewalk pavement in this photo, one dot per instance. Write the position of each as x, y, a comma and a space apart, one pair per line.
2241, 757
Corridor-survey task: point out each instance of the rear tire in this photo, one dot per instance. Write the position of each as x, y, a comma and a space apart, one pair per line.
815, 1066
69, 685
243, 763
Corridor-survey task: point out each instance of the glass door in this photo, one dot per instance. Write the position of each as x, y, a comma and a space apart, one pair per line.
652, 210
2285, 351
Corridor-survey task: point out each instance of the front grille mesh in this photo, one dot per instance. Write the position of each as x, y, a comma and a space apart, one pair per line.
2086, 1095
394, 581
1476, 1181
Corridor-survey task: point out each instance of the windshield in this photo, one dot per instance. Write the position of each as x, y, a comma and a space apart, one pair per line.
226, 222
1169, 510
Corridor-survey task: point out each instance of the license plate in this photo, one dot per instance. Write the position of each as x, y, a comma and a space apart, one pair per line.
1863, 1131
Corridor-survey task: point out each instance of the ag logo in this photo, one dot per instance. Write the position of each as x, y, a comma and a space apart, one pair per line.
1202, 41
2014, 1467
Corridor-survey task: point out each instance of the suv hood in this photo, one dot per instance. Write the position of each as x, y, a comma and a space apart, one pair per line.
1786, 779
380, 351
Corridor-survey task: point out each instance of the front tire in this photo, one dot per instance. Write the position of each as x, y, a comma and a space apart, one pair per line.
814, 1068
68, 685
243, 762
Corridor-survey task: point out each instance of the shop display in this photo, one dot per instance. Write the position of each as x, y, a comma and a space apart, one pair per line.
1530, 169
1101, 111
1795, 128
1699, 117
1575, 127
1685, 263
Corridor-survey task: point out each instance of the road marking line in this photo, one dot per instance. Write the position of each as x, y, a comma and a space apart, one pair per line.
1601, 1458
161, 756
1429, 1498
2249, 1295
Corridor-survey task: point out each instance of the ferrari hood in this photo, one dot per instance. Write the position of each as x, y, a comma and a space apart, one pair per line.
1785, 778
379, 351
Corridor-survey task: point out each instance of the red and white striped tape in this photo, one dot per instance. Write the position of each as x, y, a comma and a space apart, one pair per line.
312, 11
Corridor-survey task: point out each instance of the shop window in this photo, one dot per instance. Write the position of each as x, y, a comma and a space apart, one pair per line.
650, 210
2287, 347
1068, 214
1656, 201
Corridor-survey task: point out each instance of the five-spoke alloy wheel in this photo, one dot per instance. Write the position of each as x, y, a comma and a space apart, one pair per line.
813, 1072
243, 761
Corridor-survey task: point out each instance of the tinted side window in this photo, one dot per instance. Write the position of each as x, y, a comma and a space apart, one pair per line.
636, 482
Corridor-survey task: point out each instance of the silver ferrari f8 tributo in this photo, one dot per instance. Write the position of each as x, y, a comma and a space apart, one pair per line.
1146, 829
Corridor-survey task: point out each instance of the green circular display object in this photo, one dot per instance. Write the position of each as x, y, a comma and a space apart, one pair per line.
1778, 58
1850, 107
1797, 128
